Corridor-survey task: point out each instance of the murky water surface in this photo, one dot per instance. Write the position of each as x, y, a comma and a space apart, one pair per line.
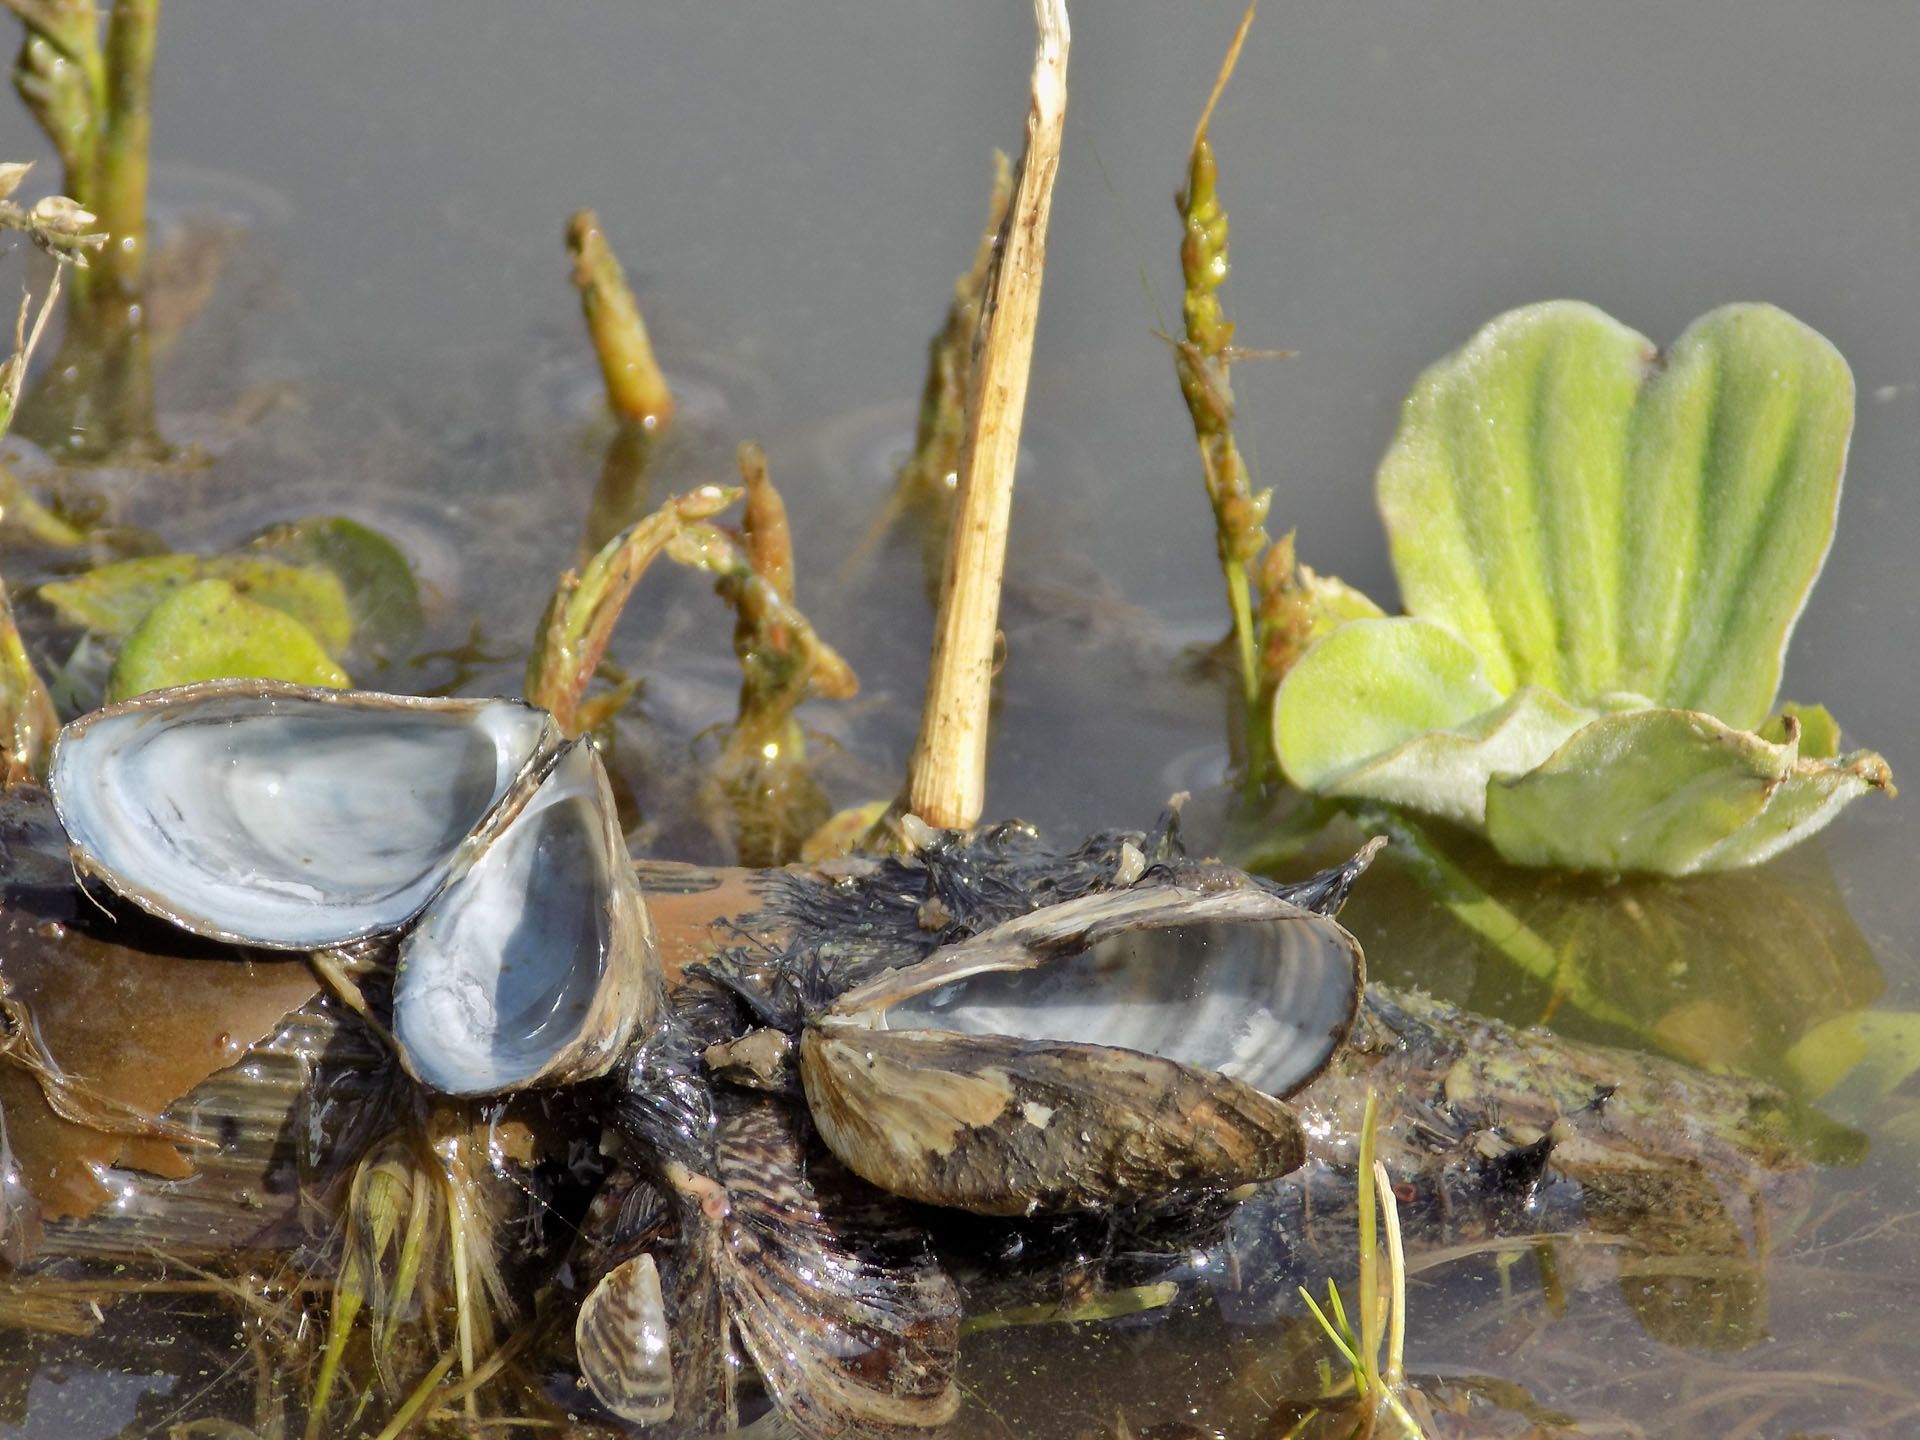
378, 194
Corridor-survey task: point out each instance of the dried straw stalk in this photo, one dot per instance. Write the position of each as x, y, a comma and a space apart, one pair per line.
946, 776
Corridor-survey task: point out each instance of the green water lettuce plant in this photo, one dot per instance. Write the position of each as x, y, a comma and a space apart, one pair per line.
1602, 550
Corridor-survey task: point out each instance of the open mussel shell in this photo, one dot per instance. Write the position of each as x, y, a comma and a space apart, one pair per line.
537, 961
275, 815
1120, 1047
1267, 1002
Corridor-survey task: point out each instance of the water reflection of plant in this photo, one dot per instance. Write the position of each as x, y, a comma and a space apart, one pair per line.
85, 73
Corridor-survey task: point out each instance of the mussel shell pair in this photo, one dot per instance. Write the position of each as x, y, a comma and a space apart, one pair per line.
1111, 1050
286, 818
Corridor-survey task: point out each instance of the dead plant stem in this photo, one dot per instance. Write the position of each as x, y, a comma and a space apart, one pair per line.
946, 776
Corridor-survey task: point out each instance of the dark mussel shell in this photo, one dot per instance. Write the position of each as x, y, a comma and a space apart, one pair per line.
1184, 978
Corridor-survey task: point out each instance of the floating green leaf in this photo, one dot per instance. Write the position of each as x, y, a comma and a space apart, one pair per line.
1591, 517
382, 597
207, 630
114, 599
1603, 551
1423, 727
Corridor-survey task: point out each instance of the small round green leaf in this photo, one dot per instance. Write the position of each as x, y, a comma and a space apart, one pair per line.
208, 631
114, 599
382, 598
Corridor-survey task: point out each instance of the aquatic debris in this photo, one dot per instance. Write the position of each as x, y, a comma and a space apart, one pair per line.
290, 818
1603, 551
1482, 1122
302, 819
123, 1032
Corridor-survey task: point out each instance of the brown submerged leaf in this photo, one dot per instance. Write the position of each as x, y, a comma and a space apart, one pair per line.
1001, 1126
119, 1033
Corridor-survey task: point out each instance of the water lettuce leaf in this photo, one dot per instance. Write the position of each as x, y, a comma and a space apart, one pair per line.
207, 630
1422, 726
1670, 791
1603, 551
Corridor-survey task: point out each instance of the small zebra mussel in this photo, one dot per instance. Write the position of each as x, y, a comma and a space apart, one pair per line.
986, 1026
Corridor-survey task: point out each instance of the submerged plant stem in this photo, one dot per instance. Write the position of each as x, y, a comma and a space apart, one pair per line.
946, 775
61, 77
1481, 913
586, 605
636, 387
762, 769
423, 1393
93, 98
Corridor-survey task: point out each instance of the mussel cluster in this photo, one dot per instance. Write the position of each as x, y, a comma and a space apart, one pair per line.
1128, 1042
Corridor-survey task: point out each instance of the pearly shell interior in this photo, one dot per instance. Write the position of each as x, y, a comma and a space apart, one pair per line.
1264, 1001
278, 816
534, 964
